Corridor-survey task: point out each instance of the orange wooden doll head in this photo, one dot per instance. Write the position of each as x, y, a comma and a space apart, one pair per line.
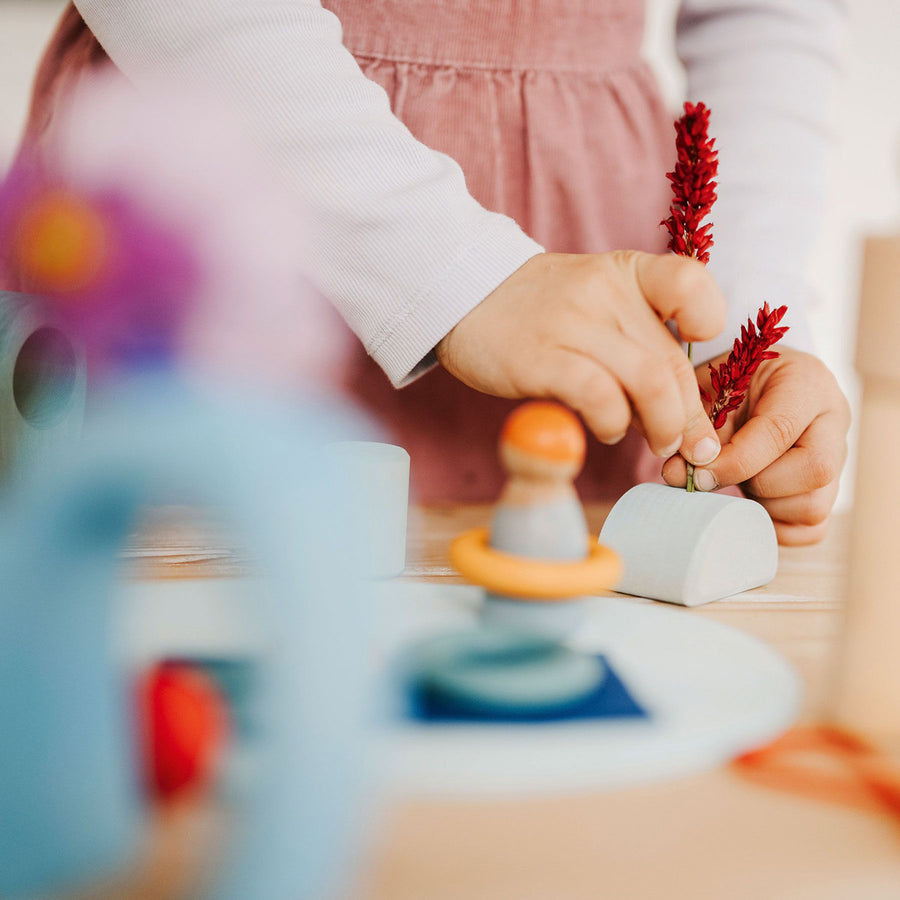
544, 440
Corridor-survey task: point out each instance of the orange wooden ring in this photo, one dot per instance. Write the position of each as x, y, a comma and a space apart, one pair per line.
533, 579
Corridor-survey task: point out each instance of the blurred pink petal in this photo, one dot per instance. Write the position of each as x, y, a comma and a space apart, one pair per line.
183, 161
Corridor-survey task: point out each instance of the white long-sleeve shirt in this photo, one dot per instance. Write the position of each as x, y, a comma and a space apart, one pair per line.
401, 248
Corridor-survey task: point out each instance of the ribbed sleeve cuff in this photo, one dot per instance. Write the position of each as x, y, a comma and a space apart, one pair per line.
404, 346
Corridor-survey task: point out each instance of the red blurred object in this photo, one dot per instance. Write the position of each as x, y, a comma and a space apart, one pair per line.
731, 380
185, 726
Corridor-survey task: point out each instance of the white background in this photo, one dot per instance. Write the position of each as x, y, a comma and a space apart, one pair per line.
865, 163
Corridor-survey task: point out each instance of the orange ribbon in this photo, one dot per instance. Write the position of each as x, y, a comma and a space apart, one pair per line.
828, 764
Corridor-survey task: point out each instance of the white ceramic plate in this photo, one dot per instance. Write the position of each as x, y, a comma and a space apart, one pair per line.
712, 692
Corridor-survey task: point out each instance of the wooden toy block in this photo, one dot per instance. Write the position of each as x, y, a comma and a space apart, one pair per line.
496, 672
868, 684
537, 560
378, 476
690, 547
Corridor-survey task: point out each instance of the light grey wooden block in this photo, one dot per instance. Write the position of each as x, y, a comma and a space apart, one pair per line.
690, 548
42, 384
556, 620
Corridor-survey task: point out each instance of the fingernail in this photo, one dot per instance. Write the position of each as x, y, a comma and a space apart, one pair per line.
669, 480
670, 450
705, 451
611, 441
705, 480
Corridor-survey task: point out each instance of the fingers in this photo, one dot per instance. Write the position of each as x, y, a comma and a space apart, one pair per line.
812, 508
674, 470
603, 386
699, 444
682, 289
811, 471
813, 463
799, 489
516, 342
795, 439
790, 535
799, 520
782, 414
658, 380
589, 388
651, 386
789, 454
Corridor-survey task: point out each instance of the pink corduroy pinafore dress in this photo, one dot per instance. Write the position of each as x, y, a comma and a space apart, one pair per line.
555, 120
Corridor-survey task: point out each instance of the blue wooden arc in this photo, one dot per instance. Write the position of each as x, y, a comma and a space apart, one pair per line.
70, 807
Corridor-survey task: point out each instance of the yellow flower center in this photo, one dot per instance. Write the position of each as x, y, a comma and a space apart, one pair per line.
61, 244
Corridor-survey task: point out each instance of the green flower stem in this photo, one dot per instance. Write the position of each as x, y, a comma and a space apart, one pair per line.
690, 468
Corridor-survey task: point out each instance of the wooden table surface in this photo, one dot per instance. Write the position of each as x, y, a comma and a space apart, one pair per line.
708, 836
711, 835
799, 612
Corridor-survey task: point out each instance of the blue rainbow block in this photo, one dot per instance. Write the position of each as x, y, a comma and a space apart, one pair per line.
70, 808
42, 383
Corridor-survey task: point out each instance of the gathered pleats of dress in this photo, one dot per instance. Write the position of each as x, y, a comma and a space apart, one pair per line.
555, 120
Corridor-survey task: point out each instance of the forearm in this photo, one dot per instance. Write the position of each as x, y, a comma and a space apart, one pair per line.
400, 246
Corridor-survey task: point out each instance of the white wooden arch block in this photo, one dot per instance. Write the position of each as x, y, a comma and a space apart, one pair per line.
690, 548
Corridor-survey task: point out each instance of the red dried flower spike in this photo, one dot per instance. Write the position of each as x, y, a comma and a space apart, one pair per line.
692, 184
731, 379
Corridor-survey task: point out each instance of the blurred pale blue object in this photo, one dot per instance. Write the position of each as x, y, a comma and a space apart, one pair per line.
378, 476
70, 803
42, 383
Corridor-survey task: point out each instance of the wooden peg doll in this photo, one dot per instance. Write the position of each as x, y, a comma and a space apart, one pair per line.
539, 515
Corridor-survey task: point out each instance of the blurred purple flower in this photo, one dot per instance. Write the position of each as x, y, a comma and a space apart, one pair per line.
119, 278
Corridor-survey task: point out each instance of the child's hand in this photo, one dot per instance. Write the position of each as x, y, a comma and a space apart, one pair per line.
589, 330
785, 446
